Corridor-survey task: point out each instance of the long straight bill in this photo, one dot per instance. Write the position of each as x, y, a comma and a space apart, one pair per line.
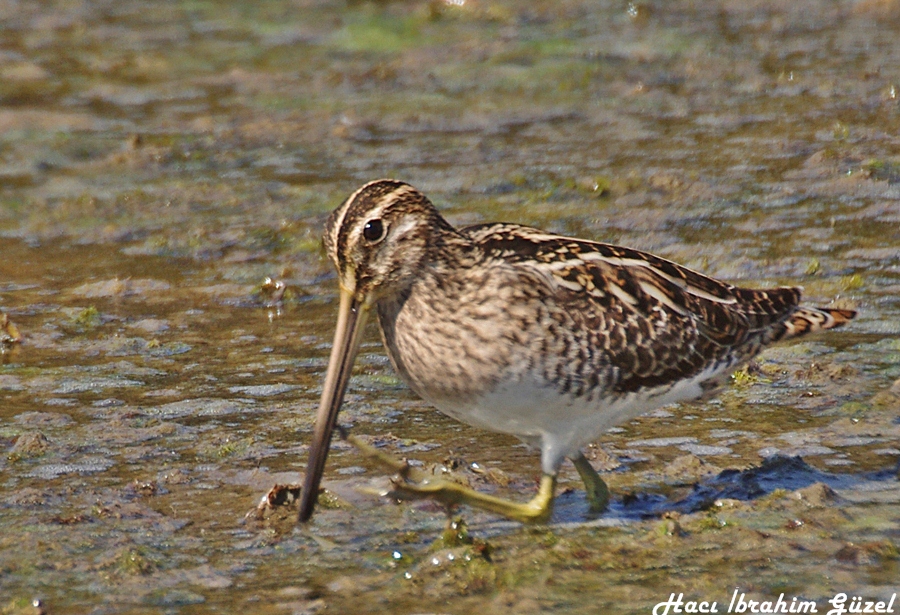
350, 323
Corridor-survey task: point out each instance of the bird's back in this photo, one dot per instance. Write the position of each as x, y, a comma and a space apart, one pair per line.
655, 322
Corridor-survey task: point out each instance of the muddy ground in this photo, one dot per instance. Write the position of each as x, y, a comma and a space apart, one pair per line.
156, 166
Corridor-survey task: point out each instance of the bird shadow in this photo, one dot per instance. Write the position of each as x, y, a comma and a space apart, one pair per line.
774, 473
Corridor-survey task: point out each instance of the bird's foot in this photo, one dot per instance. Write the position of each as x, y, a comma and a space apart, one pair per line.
595, 488
414, 484
452, 494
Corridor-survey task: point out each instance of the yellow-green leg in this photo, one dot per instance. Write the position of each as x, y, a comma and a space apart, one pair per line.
597, 491
536, 510
416, 484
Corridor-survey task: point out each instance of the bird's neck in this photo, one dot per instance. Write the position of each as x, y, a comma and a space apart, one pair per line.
450, 251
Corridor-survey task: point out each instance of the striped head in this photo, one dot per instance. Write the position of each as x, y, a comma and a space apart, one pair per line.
378, 238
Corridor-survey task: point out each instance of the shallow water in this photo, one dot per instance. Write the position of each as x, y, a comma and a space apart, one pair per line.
157, 166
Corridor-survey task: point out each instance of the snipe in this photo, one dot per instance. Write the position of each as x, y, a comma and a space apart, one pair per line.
515, 330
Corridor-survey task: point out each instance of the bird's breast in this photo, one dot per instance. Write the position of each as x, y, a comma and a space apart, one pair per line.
456, 339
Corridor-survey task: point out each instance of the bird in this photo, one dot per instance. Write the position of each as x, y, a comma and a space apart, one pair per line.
516, 330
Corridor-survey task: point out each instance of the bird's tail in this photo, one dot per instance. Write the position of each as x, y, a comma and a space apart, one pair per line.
810, 319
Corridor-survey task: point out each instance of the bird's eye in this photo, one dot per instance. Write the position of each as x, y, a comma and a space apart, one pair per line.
373, 230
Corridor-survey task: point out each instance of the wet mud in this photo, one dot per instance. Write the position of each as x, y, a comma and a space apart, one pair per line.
167, 312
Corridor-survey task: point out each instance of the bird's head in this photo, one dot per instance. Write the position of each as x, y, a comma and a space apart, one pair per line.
378, 240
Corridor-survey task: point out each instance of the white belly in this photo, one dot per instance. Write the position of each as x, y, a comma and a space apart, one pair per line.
561, 424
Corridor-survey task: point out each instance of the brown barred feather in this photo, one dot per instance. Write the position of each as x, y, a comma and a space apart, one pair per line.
547, 337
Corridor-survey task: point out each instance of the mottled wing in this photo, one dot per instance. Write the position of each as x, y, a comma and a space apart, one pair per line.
658, 322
